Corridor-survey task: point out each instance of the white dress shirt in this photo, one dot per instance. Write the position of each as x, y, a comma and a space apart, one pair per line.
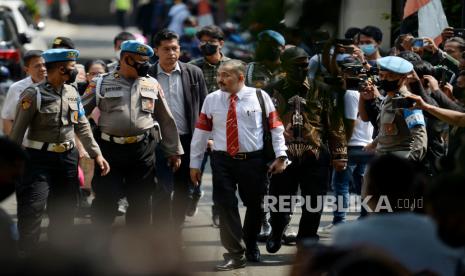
171, 83
12, 98
212, 124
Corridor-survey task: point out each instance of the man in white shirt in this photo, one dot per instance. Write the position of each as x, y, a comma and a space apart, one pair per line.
232, 117
34, 66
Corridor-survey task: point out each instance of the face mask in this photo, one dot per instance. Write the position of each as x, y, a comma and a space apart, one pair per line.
388, 86
118, 54
190, 31
298, 73
269, 53
72, 73
208, 49
141, 68
368, 49
81, 87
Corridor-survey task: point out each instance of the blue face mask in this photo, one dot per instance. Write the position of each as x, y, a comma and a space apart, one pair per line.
368, 49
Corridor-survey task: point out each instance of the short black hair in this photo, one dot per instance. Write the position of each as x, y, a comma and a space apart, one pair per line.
351, 32
212, 31
30, 55
164, 34
409, 56
422, 68
123, 36
95, 61
373, 32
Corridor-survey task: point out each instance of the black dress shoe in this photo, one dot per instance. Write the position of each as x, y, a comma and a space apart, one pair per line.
232, 263
253, 255
273, 244
265, 231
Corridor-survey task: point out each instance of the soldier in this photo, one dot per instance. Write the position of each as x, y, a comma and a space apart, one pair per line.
401, 130
267, 66
312, 127
53, 112
131, 105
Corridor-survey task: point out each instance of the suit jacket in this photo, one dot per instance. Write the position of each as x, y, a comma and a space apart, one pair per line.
194, 87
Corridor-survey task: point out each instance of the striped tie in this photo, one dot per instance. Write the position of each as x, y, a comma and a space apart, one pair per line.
232, 137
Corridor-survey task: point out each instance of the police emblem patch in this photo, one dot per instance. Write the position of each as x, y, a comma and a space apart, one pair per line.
26, 103
142, 49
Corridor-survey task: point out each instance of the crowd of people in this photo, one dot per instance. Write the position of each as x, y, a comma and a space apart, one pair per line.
346, 117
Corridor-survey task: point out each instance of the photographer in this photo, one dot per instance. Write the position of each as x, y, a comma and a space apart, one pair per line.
369, 41
401, 131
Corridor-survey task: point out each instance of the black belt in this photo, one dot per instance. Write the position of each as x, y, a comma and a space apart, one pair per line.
241, 155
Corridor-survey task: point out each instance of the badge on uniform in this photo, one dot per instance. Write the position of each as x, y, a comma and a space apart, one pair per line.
390, 129
75, 116
148, 104
26, 103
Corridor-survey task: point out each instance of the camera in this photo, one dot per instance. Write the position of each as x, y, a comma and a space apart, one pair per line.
402, 102
459, 32
442, 73
418, 43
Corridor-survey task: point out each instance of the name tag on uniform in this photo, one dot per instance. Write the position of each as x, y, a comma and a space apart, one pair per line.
112, 88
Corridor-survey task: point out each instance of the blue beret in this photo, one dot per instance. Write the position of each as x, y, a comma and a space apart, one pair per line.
395, 64
56, 55
134, 46
274, 35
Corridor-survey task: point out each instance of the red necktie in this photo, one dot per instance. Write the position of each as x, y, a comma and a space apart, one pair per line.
232, 137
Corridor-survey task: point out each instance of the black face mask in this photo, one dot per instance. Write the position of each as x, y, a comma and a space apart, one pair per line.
72, 73
297, 72
388, 86
268, 53
208, 49
81, 86
142, 68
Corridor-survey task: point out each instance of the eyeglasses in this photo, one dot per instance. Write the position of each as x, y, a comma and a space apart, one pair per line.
94, 73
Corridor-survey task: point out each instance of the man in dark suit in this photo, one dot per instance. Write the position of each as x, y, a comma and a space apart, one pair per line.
185, 89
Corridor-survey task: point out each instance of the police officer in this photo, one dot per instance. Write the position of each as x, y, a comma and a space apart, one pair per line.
53, 112
312, 127
401, 130
267, 66
132, 106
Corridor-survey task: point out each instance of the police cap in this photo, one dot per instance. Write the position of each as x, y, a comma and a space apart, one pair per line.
273, 35
136, 47
395, 64
60, 55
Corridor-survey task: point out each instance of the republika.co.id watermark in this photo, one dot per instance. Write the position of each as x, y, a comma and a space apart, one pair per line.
330, 203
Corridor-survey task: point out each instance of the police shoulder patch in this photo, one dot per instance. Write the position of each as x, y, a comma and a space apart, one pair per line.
413, 118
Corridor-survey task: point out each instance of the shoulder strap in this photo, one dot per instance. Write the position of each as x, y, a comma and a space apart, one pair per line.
39, 97
98, 87
249, 72
266, 126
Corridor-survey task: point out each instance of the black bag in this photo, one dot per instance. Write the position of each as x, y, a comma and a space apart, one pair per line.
268, 150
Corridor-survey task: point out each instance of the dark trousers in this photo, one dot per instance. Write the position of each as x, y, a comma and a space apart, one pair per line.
249, 177
173, 190
50, 180
131, 175
312, 176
